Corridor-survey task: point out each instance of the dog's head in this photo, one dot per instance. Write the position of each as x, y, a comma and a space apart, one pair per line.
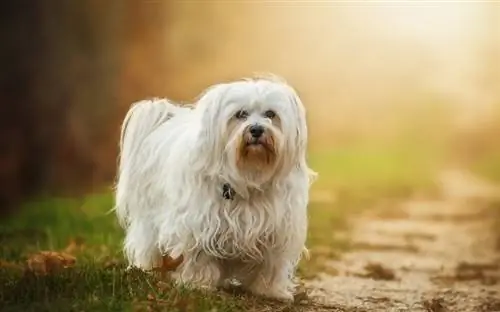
254, 129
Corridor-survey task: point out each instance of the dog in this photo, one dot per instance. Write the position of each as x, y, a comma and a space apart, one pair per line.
224, 183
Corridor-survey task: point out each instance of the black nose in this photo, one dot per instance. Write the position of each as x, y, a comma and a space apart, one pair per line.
256, 130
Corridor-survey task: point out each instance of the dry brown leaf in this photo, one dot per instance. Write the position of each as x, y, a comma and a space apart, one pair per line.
377, 271
9, 265
169, 264
75, 245
47, 262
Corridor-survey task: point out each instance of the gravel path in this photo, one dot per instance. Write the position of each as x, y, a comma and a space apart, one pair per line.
421, 255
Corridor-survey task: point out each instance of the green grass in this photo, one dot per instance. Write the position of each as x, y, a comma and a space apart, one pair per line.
357, 176
488, 166
377, 170
99, 281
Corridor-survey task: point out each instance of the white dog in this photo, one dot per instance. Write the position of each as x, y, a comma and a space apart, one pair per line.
224, 184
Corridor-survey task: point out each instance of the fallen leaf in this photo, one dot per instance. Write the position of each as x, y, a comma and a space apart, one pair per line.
75, 245
169, 264
47, 262
377, 272
9, 265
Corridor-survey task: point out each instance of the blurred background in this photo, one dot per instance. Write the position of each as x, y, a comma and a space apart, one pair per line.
392, 89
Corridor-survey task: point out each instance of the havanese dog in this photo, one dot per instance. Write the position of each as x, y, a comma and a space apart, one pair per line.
223, 183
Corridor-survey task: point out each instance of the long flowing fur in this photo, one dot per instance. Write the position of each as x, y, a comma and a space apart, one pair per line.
173, 163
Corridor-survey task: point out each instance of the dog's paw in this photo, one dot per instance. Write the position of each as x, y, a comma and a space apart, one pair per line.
280, 294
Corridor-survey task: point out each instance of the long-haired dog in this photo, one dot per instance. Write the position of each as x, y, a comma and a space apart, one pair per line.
224, 183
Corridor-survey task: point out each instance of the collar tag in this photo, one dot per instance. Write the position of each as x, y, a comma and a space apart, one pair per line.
228, 192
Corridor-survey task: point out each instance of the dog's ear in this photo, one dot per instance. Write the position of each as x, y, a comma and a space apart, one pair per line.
209, 106
301, 127
296, 125
300, 134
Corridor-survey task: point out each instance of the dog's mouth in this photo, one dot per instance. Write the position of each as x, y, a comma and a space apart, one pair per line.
257, 152
257, 146
255, 142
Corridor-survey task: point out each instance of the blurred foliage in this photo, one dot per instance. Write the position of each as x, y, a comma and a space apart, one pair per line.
56, 76
378, 83
62, 89
479, 150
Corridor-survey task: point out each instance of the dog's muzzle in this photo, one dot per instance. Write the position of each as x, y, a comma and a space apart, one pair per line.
255, 135
256, 131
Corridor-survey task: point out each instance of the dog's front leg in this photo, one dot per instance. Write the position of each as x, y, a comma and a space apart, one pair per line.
272, 279
199, 270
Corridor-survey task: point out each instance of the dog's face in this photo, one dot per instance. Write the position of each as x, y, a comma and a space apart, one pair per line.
257, 126
254, 136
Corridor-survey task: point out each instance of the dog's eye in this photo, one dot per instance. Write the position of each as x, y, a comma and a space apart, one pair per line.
241, 114
270, 114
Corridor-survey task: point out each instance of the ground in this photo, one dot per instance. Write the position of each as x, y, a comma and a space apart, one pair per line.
422, 254
383, 237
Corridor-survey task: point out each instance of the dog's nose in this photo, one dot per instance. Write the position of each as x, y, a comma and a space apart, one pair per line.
256, 130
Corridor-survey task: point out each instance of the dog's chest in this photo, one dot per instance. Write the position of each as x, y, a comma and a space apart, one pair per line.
242, 228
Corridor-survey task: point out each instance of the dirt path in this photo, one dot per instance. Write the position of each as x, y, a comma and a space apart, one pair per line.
424, 255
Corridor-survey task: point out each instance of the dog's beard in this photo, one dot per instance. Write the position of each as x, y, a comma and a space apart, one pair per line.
257, 155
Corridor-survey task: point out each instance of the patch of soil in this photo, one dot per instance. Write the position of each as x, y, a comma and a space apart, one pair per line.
425, 256
485, 273
389, 213
435, 305
417, 236
490, 304
383, 247
377, 272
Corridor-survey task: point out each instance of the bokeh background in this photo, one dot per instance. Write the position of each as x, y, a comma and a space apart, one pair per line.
414, 80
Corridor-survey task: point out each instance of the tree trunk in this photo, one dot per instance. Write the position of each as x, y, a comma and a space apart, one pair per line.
59, 63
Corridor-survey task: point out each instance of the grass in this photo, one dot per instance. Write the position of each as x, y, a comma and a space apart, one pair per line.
98, 281
355, 177
488, 166
389, 170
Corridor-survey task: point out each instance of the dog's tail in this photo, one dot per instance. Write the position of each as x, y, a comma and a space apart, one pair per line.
142, 119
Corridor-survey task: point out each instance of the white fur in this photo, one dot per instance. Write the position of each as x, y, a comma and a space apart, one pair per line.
173, 163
